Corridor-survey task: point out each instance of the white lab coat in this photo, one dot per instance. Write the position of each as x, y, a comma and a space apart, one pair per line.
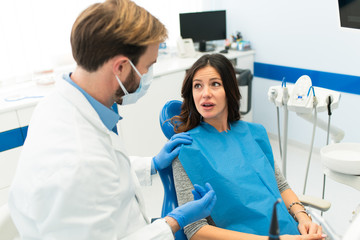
74, 179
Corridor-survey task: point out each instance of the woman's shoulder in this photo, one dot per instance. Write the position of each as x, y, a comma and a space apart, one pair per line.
250, 125
195, 130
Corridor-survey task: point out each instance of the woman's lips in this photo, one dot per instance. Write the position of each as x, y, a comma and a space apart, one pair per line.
207, 106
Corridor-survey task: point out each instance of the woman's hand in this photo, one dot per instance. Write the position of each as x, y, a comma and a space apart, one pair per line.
314, 236
309, 227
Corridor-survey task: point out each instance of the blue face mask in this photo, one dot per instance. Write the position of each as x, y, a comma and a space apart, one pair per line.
145, 82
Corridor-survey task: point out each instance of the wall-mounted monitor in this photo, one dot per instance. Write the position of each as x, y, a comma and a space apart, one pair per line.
203, 27
349, 13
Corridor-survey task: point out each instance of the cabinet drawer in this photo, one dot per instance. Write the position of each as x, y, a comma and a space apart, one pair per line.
24, 115
8, 164
8, 121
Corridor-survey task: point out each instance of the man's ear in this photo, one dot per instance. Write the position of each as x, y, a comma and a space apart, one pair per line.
119, 64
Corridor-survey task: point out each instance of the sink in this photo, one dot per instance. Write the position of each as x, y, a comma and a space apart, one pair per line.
342, 157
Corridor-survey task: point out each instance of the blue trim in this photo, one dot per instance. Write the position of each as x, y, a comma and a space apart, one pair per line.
24, 131
333, 81
12, 138
16, 137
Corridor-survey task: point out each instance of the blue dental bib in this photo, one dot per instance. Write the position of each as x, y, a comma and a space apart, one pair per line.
240, 167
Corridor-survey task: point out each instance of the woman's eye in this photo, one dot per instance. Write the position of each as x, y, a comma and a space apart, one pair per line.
197, 86
216, 84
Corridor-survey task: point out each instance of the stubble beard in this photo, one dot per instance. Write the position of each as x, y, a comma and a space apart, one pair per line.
129, 84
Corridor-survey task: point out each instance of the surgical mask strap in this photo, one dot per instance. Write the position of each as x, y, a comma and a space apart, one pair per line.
138, 73
121, 85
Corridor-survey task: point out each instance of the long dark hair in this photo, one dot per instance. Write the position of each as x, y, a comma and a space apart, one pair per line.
189, 117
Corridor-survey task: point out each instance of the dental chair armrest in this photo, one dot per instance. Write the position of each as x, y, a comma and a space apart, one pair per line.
315, 202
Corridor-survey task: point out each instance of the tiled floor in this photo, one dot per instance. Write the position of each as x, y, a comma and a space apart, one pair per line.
344, 199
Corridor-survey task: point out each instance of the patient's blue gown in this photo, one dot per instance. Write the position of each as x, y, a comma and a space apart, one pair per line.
239, 164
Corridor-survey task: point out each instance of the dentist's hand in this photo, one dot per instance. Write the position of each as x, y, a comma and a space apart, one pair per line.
171, 150
201, 207
200, 191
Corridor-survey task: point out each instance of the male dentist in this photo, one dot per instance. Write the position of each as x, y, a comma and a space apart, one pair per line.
74, 179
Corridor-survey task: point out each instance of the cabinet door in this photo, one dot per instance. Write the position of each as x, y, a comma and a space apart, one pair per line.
8, 164
24, 115
140, 125
246, 62
12, 136
8, 121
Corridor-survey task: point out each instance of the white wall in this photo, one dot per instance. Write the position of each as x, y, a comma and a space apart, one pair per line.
302, 34
170, 17
35, 36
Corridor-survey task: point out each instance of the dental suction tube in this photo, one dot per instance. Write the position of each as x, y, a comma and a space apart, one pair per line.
274, 227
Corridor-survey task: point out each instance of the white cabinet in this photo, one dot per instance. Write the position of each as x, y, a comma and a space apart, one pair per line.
246, 62
12, 136
8, 163
8, 121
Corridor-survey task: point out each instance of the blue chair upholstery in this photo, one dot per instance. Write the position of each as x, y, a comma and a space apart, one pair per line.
170, 109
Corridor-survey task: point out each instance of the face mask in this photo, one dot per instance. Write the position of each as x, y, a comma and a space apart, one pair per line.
145, 82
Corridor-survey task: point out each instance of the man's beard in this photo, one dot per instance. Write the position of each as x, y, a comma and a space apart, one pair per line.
129, 84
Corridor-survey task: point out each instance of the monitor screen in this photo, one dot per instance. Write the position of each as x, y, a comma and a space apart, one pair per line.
349, 13
203, 26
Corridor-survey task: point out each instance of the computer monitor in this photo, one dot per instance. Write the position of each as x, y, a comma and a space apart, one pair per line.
349, 13
203, 26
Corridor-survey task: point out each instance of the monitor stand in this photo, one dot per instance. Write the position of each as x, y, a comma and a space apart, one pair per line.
203, 47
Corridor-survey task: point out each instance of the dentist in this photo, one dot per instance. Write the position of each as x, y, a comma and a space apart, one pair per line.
74, 179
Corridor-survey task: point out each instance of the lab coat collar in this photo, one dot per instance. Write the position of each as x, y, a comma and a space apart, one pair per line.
74, 96
107, 115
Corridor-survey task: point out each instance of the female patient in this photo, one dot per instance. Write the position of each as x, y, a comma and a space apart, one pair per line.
235, 157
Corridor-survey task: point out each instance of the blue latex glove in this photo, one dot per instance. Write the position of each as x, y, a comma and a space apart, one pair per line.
171, 150
201, 207
200, 191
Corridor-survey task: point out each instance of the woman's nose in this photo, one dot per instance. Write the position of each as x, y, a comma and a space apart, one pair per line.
206, 92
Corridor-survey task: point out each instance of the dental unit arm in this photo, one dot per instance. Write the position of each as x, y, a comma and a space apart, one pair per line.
304, 99
301, 102
299, 99
336, 133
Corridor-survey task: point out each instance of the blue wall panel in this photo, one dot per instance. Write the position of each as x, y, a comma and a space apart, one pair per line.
333, 81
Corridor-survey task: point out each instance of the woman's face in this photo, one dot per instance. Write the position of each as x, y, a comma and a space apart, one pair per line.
209, 96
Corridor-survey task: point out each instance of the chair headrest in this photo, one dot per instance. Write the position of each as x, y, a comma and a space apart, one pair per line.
170, 109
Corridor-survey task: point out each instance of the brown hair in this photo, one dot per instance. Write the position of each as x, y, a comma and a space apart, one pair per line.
189, 117
105, 30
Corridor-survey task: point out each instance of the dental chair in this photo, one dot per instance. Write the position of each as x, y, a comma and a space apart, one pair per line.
173, 108
170, 109
8, 230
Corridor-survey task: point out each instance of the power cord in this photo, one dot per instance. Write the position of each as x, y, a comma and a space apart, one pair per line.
329, 101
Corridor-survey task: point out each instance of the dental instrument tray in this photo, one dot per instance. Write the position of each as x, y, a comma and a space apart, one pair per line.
342, 157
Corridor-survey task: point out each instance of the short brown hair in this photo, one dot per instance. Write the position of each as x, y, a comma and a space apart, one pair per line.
189, 117
105, 30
